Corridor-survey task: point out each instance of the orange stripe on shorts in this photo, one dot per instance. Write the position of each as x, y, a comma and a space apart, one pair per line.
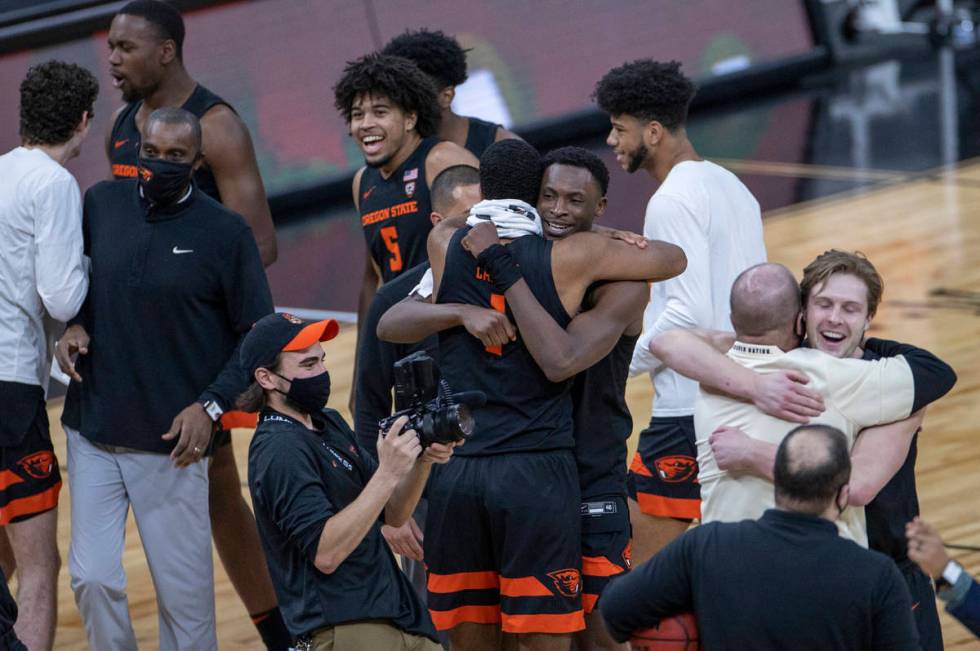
463, 581
43, 501
446, 619
600, 566
524, 586
669, 507
8, 479
638, 467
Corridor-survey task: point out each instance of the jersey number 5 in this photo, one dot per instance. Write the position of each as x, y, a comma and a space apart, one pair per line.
498, 302
390, 236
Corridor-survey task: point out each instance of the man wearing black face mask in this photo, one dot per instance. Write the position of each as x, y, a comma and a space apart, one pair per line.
785, 581
320, 499
176, 283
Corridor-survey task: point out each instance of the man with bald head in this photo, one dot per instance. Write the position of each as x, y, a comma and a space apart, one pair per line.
176, 283
765, 302
796, 585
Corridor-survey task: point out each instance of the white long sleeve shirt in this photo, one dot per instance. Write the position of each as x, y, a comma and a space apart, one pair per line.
43, 272
704, 209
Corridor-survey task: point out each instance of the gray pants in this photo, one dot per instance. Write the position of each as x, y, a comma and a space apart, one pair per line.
170, 506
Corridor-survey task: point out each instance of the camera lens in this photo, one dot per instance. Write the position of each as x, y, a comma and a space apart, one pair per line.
464, 419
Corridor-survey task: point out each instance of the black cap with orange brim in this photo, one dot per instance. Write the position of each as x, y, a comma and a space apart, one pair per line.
281, 333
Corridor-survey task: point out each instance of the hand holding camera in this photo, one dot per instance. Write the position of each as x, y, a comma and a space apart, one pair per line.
398, 449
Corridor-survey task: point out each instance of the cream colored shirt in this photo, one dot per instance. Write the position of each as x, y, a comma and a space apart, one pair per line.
857, 394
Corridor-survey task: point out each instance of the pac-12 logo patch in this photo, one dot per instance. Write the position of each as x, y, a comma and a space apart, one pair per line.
567, 581
676, 468
39, 465
410, 189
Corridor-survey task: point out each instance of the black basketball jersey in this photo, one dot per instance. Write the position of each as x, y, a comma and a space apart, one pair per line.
525, 412
395, 213
603, 422
894, 505
125, 146
480, 135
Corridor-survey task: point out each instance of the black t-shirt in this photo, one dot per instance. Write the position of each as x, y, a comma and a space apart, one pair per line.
603, 422
525, 412
125, 146
375, 359
395, 213
172, 292
299, 478
479, 135
784, 581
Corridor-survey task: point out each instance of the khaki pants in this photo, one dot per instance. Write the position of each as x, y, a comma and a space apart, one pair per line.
369, 636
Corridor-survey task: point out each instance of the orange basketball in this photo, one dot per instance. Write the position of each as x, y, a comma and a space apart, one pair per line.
678, 633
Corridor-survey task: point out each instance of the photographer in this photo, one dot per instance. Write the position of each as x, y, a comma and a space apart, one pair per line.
318, 499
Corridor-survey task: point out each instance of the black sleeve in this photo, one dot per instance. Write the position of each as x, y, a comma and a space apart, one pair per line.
893, 625
659, 588
248, 299
82, 318
968, 611
375, 377
933, 377
289, 485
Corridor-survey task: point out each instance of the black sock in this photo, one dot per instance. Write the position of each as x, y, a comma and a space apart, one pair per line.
272, 629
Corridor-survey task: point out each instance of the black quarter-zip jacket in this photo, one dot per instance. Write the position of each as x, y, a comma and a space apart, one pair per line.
172, 293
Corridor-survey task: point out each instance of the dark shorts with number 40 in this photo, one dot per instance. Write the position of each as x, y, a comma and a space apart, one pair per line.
663, 477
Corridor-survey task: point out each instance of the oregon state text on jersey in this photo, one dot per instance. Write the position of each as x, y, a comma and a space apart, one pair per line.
395, 213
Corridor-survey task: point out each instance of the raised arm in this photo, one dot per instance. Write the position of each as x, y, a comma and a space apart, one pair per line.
230, 155
698, 354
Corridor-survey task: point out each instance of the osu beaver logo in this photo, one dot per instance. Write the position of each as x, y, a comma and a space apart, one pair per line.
146, 174
292, 319
676, 468
568, 581
38, 465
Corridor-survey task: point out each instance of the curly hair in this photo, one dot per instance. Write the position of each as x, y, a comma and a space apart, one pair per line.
438, 55
396, 78
579, 157
647, 89
511, 169
164, 17
53, 97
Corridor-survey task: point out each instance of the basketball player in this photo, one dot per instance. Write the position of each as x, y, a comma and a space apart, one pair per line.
705, 210
390, 108
146, 64
598, 346
511, 562
444, 61
841, 292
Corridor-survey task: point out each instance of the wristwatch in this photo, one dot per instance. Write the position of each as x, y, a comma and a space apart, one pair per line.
951, 573
213, 410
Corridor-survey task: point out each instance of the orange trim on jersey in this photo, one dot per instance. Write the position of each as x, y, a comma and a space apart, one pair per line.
43, 501
446, 619
444, 583
524, 586
600, 566
237, 419
567, 623
669, 507
589, 602
8, 479
638, 467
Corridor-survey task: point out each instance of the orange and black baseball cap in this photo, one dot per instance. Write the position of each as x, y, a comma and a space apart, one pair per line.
281, 333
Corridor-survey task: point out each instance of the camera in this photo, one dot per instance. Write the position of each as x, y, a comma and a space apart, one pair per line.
436, 413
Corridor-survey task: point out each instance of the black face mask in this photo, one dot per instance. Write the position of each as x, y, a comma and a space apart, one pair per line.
308, 394
167, 181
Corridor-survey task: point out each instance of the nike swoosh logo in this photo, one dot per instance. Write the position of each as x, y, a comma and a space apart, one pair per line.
367, 194
179, 251
120, 143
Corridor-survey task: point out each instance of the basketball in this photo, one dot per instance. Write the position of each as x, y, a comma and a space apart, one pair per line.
678, 633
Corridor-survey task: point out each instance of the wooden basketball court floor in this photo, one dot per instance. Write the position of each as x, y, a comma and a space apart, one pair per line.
922, 231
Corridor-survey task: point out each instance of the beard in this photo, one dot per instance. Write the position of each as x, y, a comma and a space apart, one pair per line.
381, 162
637, 158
